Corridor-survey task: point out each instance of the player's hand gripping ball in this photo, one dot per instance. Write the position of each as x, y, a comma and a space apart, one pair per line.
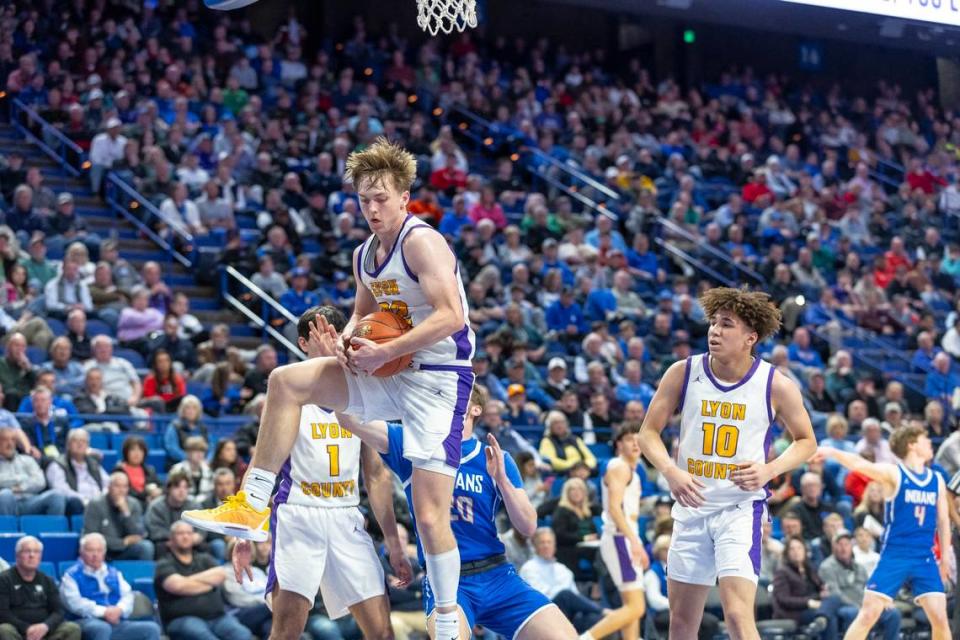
380, 327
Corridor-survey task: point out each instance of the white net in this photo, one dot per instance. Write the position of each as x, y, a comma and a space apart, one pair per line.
446, 16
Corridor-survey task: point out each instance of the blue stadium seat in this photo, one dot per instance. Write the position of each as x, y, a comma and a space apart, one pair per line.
50, 569
131, 356
36, 355
145, 586
8, 544
110, 459
64, 566
100, 440
76, 524
35, 525
56, 326
98, 328
8, 524
557, 487
59, 547
157, 458
135, 569
601, 450
195, 388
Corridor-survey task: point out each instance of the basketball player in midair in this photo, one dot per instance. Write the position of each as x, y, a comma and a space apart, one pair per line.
319, 542
916, 510
728, 400
405, 266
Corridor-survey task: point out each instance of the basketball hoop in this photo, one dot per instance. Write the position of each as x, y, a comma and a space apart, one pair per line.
446, 16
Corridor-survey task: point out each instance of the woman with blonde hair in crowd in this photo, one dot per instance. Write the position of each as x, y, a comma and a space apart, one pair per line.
573, 524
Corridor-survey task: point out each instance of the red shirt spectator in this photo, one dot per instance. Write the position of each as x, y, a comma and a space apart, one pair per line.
448, 178
756, 188
920, 178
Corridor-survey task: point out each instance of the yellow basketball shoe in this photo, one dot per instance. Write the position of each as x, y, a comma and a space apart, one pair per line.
235, 517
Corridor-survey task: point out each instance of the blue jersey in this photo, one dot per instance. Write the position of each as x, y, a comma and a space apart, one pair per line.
476, 498
911, 515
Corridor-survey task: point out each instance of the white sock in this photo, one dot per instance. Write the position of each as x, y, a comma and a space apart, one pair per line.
259, 487
447, 626
585, 636
443, 572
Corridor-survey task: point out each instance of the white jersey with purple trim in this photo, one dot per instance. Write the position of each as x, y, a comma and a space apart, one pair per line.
324, 464
723, 425
397, 289
630, 503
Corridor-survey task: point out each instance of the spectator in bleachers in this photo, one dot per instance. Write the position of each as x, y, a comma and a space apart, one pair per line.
865, 551
30, 606
9, 421
152, 277
119, 377
874, 442
138, 320
225, 484
16, 292
119, 518
46, 427
837, 430
215, 210
297, 299
551, 578
80, 344
177, 347
557, 381
518, 414
633, 387
565, 318
226, 456
23, 489
65, 226
195, 467
163, 388
926, 351
17, 374
164, 511
77, 474
800, 594
189, 586
190, 326
561, 447
771, 552
811, 508
92, 399
69, 373
144, 483
67, 291
938, 425
107, 297
573, 523
255, 382
124, 275
180, 212
97, 595
268, 279
941, 381
105, 149
188, 423
655, 589
247, 598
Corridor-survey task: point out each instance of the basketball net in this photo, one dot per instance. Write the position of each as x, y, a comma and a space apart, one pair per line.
446, 16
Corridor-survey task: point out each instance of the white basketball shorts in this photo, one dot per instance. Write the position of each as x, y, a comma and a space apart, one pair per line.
430, 402
719, 545
625, 573
324, 549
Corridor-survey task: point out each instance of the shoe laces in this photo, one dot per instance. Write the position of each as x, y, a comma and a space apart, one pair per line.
233, 502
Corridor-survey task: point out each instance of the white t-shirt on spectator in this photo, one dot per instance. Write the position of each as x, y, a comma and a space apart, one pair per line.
185, 217
549, 577
118, 376
104, 150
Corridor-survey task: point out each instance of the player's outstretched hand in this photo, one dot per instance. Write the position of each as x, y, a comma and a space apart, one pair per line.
242, 559
401, 567
751, 476
685, 488
822, 453
368, 356
323, 338
494, 459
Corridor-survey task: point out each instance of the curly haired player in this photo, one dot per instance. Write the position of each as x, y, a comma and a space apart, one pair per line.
728, 400
405, 266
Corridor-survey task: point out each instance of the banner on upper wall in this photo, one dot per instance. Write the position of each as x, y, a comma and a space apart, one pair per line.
940, 11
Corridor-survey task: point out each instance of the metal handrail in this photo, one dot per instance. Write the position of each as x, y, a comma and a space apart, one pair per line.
261, 320
589, 203
720, 254
123, 198
52, 141
694, 263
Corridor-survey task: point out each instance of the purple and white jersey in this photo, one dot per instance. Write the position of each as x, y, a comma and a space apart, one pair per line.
630, 503
397, 289
723, 425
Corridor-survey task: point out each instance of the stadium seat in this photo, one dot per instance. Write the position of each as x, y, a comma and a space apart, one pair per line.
64, 566
50, 569
135, 569
131, 356
144, 586
59, 547
110, 459
157, 458
76, 524
8, 524
600, 450
35, 525
8, 544
100, 440
36, 355
98, 328
56, 326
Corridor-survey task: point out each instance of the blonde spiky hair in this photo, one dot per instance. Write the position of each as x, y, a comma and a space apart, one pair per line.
383, 159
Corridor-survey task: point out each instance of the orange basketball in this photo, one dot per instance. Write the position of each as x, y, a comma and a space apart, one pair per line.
380, 327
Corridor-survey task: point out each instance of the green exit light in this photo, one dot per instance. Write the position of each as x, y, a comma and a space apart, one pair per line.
689, 36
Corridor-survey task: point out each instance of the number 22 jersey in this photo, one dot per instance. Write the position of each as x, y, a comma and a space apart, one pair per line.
722, 426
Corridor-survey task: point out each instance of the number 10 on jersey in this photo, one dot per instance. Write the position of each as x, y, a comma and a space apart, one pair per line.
722, 441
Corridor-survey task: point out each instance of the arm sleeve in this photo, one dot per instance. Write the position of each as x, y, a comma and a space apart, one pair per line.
532, 577
57, 479
35, 481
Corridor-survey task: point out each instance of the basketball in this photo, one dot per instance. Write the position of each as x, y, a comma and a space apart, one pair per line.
380, 327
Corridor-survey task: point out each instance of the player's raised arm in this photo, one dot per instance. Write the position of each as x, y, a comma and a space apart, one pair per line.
884, 473
503, 470
379, 483
684, 487
788, 404
429, 258
617, 477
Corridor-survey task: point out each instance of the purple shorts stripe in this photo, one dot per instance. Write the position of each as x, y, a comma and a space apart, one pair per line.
451, 444
283, 493
757, 532
627, 572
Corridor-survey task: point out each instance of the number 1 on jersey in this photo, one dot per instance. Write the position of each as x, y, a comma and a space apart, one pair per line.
333, 450
723, 440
